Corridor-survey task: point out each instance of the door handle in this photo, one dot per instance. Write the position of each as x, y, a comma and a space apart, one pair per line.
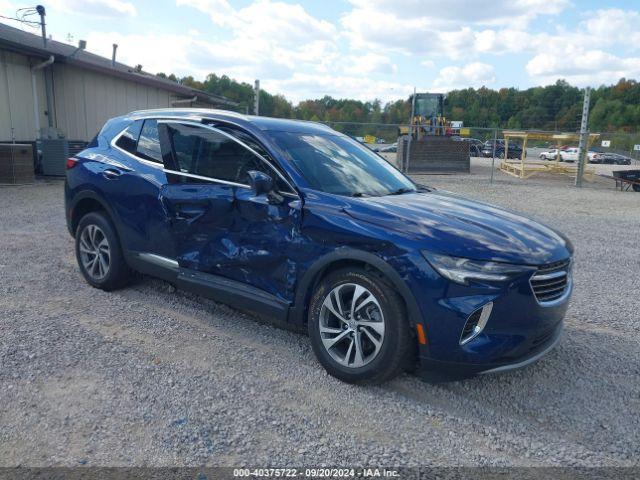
188, 211
111, 173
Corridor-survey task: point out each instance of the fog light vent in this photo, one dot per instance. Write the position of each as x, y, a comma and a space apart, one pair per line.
475, 323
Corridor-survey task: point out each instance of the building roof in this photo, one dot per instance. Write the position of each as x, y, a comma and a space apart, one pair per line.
27, 43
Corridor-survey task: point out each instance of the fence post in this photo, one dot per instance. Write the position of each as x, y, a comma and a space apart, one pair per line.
408, 149
493, 160
584, 135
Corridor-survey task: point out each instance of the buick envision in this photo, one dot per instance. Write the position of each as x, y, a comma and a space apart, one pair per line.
295, 221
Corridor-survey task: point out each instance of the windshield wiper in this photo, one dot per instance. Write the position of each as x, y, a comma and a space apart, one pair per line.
402, 190
358, 194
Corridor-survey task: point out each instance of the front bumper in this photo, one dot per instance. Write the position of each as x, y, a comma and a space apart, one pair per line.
519, 331
441, 371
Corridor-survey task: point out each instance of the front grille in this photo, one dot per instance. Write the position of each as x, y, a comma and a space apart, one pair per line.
550, 282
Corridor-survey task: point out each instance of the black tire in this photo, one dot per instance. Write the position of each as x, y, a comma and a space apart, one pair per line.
117, 273
394, 354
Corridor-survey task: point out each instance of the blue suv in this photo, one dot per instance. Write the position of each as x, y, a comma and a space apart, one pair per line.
297, 222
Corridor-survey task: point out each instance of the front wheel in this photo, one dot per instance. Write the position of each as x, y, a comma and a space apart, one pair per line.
358, 329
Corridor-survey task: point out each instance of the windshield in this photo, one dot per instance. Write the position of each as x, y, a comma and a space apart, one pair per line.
339, 165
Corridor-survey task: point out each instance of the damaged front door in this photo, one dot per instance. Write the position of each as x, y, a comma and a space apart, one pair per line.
219, 225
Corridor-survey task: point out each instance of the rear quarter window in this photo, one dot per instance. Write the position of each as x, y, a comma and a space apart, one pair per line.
149, 142
129, 137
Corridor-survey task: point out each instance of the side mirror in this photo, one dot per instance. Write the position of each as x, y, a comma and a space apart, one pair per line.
261, 183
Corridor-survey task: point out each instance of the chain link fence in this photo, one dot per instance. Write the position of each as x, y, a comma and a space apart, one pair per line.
487, 148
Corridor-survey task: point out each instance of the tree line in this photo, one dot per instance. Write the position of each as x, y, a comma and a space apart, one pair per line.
613, 108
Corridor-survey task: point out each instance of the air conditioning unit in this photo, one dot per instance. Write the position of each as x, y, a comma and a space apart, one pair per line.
55, 153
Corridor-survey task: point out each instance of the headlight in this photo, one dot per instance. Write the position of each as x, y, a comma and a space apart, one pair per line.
461, 270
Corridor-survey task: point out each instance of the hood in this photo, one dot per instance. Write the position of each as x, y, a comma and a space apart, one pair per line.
448, 224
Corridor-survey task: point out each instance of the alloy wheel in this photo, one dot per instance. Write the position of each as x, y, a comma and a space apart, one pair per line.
95, 253
351, 325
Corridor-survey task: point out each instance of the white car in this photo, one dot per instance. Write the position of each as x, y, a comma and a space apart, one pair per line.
569, 155
593, 156
549, 155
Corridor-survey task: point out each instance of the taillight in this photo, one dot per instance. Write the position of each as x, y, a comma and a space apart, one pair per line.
71, 162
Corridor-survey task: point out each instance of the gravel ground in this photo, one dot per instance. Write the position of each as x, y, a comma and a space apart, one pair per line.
151, 376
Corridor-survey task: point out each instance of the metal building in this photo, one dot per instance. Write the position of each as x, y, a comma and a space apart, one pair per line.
84, 90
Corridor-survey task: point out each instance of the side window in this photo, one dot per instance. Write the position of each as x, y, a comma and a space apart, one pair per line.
149, 142
211, 154
129, 138
207, 153
260, 166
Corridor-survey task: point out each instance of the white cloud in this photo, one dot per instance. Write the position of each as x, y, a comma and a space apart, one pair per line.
582, 67
613, 26
474, 74
268, 39
7, 8
370, 63
452, 29
601, 50
97, 8
468, 31
266, 21
301, 86
173, 53
155, 52
463, 11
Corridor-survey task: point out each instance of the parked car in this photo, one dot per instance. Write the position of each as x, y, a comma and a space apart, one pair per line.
514, 150
611, 158
296, 221
549, 154
475, 146
569, 155
390, 148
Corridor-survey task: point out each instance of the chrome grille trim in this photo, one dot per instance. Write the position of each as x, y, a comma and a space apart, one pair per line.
551, 284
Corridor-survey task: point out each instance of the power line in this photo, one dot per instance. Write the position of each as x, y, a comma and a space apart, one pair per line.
20, 20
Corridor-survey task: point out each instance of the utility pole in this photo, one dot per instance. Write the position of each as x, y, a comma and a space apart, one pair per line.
42, 12
48, 88
256, 100
584, 137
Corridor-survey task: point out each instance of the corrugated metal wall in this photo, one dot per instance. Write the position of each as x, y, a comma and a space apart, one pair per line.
16, 98
83, 99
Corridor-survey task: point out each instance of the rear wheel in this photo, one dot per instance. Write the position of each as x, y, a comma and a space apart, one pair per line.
99, 253
357, 326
